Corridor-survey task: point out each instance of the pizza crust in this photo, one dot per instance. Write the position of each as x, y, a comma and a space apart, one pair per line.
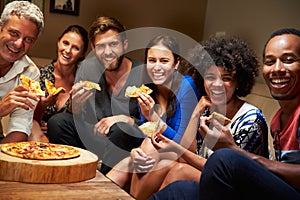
221, 118
132, 91
90, 85
40, 150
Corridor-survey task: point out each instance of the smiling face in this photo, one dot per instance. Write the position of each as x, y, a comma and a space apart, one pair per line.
161, 65
16, 38
281, 69
110, 49
70, 48
220, 85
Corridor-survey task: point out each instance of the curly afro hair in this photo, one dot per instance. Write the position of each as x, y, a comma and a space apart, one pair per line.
233, 54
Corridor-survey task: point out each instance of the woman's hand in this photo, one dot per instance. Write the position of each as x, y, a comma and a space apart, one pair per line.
142, 163
217, 137
202, 105
164, 144
147, 103
48, 101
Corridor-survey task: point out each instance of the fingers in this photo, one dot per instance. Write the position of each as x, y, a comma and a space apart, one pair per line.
19, 97
21, 91
102, 127
141, 161
203, 128
145, 99
145, 166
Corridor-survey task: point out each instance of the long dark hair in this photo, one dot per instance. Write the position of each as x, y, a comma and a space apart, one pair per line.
83, 34
170, 43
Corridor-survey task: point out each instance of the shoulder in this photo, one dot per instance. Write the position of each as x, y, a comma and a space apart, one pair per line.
28, 67
249, 112
188, 84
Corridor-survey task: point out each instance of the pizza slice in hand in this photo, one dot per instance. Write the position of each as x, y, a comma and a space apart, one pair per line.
91, 85
33, 85
132, 91
221, 118
149, 128
52, 89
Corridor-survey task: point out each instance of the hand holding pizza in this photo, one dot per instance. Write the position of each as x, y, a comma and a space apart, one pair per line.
48, 101
147, 103
219, 137
79, 96
19, 97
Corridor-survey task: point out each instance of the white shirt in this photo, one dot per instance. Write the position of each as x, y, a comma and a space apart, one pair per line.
20, 119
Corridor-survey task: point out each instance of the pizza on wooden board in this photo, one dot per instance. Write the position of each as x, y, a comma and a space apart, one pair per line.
132, 91
40, 150
52, 89
33, 85
221, 118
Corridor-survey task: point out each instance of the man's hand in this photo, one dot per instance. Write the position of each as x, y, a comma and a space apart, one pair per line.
79, 96
102, 127
19, 97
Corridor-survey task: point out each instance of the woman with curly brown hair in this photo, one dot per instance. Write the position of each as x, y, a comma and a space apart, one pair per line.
229, 68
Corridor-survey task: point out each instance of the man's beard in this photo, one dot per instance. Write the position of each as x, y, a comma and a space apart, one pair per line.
116, 66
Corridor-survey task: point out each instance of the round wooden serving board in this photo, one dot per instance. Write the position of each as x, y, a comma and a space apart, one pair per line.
48, 171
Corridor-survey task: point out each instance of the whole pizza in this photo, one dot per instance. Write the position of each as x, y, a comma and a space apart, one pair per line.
40, 150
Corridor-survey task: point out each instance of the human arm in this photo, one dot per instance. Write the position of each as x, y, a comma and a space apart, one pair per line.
42, 106
19, 97
164, 144
102, 127
192, 128
222, 138
15, 136
19, 103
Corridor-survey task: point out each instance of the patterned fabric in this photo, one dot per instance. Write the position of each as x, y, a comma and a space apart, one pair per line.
249, 130
47, 73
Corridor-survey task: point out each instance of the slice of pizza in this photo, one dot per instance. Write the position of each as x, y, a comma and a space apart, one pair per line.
221, 118
52, 89
149, 128
33, 85
91, 85
132, 91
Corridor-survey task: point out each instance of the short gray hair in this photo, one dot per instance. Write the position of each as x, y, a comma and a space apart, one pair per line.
23, 9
